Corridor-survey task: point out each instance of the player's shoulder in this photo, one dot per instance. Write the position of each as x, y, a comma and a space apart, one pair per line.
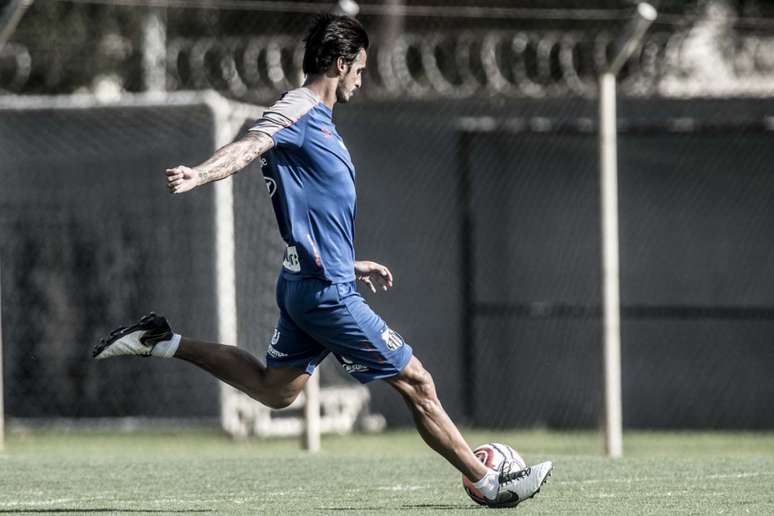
294, 104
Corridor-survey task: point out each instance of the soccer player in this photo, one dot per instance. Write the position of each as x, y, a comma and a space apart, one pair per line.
311, 181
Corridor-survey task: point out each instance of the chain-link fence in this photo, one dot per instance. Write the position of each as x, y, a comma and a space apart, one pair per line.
90, 238
101, 242
505, 311
696, 280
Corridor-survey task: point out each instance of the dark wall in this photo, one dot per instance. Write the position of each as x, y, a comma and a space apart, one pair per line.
696, 226
695, 229
90, 240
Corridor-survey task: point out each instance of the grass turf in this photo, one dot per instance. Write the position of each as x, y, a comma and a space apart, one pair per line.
393, 473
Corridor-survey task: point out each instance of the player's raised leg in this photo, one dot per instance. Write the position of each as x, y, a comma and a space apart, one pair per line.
507, 487
275, 387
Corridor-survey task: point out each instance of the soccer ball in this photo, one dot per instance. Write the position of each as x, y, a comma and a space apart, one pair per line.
492, 455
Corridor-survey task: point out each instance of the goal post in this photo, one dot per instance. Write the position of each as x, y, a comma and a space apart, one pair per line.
323, 407
227, 127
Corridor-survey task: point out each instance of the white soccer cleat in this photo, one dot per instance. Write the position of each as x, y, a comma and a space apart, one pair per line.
138, 339
517, 485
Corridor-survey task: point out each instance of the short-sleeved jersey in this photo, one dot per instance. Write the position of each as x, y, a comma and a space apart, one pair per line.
311, 181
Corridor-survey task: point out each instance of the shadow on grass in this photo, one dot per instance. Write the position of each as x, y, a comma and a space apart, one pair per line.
105, 509
409, 507
444, 506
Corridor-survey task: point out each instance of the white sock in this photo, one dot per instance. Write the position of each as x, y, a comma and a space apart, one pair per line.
489, 485
167, 348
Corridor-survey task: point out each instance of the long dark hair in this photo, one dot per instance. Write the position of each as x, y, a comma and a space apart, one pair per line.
330, 37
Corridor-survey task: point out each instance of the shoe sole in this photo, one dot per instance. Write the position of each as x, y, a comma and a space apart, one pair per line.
545, 479
123, 332
542, 483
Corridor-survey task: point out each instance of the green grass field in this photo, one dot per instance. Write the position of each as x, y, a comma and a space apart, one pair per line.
392, 473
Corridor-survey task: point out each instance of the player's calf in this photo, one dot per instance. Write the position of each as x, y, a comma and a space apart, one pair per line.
151, 336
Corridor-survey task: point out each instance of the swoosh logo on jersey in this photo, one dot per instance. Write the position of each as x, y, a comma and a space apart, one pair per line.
271, 186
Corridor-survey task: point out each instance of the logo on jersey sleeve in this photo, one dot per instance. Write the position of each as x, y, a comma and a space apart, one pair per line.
391, 339
271, 186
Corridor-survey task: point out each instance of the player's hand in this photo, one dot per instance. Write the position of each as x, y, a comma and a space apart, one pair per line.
372, 274
181, 179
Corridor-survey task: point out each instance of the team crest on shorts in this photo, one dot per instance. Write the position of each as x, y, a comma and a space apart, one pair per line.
272, 351
392, 339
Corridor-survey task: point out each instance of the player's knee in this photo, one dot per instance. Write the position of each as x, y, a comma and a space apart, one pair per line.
424, 396
426, 404
425, 384
278, 402
278, 388
278, 399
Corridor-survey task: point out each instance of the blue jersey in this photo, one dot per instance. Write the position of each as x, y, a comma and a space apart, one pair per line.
311, 180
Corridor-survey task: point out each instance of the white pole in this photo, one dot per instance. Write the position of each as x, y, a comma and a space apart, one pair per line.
312, 413
625, 46
10, 18
225, 252
228, 118
224, 270
154, 50
610, 264
2, 383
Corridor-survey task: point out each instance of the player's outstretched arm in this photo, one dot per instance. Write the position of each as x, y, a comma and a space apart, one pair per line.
226, 161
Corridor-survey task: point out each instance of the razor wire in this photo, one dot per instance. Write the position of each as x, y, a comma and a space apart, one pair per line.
452, 65
440, 65
15, 66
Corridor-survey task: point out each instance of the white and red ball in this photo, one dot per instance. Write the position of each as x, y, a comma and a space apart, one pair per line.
492, 455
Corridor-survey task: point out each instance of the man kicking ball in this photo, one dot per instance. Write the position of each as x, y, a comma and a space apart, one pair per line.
312, 188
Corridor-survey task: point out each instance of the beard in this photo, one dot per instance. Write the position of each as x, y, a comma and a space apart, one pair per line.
341, 95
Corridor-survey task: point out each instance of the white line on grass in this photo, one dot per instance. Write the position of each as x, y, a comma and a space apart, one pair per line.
40, 502
400, 487
92, 499
651, 479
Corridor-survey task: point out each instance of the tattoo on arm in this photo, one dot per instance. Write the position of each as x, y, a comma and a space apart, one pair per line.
233, 157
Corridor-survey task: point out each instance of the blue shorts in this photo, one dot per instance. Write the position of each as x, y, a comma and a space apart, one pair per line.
317, 318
